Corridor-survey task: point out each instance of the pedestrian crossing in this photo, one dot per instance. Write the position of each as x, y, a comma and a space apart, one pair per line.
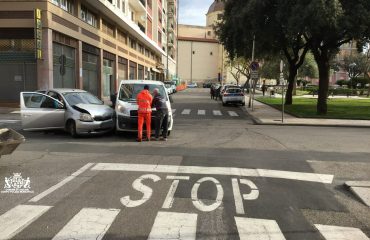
95, 223
202, 112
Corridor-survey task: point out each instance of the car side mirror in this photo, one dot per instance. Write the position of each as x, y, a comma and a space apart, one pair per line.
171, 99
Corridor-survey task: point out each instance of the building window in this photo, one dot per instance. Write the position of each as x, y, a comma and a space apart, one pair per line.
88, 17
107, 28
219, 16
159, 37
160, 15
141, 49
122, 37
66, 5
132, 43
123, 6
209, 33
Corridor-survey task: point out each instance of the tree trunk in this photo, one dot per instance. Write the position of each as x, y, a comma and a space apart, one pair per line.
291, 81
324, 69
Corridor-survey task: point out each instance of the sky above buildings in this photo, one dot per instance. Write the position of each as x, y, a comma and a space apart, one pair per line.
193, 12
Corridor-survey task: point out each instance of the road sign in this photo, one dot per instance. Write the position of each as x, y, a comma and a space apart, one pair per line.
282, 80
254, 75
255, 66
38, 33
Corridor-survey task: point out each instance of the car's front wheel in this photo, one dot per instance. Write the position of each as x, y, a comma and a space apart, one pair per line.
71, 128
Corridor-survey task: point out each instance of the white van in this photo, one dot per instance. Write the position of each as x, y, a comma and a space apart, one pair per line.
126, 106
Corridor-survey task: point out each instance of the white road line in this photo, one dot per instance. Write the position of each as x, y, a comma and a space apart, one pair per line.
341, 233
89, 223
252, 229
186, 112
9, 121
223, 171
217, 113
173, 111
233, 114
61, 183
18, 218
201, 112
170, 225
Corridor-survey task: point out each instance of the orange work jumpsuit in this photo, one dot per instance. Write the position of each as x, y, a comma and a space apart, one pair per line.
144, 100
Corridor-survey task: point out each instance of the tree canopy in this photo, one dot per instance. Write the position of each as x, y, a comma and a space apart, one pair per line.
294, 27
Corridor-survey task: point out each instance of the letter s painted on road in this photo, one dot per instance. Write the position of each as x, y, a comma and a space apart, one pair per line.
139, 186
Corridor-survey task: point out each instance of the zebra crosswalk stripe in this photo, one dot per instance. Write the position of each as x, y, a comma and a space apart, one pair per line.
186, 112
18, 218
252, 228
201, 112
217, 113
170, 225
89, 223
94, 223
340, 233
233, 114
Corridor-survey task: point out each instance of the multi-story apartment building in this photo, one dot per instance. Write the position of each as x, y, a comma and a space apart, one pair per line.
87, 44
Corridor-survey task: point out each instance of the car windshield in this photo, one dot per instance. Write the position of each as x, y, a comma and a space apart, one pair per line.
129, 91
74, 98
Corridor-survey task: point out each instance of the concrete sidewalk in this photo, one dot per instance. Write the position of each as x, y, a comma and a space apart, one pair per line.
265, 115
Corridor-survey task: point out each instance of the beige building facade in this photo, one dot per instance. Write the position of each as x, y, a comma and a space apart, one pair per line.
87, 44
201, 57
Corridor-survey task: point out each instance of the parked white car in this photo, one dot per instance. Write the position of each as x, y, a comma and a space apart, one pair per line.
168, 88
126, 105
234, 96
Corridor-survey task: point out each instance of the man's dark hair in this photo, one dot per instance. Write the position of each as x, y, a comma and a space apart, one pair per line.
146, 87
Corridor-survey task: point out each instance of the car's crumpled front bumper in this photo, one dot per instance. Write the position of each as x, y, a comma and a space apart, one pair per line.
95, 127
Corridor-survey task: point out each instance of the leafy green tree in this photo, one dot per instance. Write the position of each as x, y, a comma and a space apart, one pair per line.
309, 67
328, 25
238, 67
268, 22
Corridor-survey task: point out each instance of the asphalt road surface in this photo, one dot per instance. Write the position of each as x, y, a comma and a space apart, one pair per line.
217, 177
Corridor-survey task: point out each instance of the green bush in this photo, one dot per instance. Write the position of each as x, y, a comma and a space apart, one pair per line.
342, 82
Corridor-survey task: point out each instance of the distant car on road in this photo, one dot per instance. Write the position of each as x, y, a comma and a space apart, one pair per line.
233, 95
192, 85
74, 110
169, 88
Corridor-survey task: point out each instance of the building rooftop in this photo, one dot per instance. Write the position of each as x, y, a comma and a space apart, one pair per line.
217, 5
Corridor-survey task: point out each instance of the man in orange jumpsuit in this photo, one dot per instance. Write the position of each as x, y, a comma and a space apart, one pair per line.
144, 100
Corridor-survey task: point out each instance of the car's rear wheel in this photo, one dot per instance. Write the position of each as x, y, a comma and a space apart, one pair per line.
223, 104
71, 128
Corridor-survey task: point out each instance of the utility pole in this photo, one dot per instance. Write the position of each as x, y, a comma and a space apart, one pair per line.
250, 103
167, 38
177, 39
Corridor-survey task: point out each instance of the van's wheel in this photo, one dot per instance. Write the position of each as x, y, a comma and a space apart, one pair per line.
71, 128
223, 104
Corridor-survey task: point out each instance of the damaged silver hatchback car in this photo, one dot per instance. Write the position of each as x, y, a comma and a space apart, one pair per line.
74, 110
